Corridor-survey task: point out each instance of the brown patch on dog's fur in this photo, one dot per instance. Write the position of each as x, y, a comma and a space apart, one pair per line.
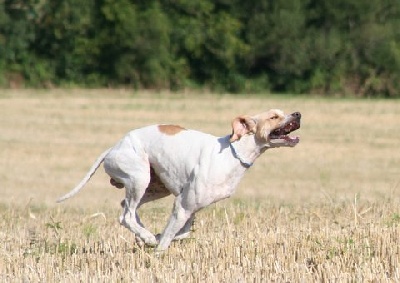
170, 129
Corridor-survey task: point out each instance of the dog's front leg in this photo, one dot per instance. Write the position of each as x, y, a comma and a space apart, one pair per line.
181, 215
184, 233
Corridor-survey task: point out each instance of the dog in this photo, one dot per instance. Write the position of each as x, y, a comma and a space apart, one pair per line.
197, 168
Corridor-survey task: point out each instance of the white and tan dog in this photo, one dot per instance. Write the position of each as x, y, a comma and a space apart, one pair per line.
197, 168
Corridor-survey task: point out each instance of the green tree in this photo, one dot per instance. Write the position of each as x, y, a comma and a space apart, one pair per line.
275, 31
208, 38
297, 46
16, 36
66, 40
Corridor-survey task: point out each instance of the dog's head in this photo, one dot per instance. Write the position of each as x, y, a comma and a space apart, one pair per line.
270, 128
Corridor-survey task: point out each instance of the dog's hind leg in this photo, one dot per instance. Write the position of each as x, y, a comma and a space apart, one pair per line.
135, 189
128, 164
130, 219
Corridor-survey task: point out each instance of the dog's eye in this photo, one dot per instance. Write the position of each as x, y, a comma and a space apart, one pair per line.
274, 117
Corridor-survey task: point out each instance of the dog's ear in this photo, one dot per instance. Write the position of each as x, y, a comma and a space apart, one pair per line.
241, 126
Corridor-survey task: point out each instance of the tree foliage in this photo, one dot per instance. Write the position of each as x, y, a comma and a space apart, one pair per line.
298, 46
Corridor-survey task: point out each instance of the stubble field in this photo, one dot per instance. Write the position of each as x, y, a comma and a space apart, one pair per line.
326, 210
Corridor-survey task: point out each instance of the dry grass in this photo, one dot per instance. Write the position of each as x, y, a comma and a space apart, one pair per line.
327, 210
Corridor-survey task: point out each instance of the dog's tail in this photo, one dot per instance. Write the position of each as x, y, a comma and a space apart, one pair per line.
92, 170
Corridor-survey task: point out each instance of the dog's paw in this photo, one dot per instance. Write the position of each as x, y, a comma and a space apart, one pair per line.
150, 241
139, 241
176, 238
147, 241
182, 236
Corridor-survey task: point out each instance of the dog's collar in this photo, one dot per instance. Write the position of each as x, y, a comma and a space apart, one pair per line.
246, 165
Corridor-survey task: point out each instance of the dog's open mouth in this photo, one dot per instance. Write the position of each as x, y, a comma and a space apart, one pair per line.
281, 135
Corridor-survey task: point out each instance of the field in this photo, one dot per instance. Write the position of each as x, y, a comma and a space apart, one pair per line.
327, 210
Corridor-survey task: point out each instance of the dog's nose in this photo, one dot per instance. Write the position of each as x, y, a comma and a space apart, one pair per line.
296, 115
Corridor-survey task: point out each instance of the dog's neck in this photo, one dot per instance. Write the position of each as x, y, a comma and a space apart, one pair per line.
246, 150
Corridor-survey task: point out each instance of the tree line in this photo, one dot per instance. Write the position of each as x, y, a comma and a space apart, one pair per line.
349, 47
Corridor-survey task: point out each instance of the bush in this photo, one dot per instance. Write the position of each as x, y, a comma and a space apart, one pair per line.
287, 46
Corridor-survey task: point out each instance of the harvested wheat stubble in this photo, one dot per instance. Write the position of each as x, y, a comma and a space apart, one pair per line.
325, 210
